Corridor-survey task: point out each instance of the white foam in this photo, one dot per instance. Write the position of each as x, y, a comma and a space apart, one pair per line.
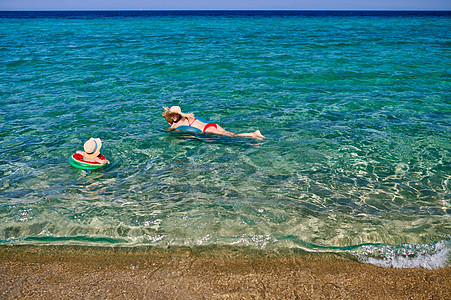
428, 256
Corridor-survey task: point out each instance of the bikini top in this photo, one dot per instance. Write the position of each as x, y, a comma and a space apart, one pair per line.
189, 124
190, 128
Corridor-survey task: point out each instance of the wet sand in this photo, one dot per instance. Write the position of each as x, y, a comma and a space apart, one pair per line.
48, 272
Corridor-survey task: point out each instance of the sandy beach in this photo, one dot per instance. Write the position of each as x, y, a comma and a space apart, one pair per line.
47, 272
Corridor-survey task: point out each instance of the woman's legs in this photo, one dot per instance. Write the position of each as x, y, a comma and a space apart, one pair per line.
221, 131
255, 135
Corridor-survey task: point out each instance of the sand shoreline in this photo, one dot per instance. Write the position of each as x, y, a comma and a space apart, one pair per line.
50, 272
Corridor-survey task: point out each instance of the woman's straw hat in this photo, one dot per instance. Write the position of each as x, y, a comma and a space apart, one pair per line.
92, 147
174, 110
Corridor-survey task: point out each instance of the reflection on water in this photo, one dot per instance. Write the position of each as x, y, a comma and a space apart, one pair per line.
356, 155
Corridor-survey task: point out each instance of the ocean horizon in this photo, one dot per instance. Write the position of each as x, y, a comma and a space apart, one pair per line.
355, 106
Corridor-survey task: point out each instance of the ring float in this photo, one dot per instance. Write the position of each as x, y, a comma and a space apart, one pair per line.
76, 160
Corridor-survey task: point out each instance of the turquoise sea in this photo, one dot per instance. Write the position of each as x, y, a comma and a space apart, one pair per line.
355, 106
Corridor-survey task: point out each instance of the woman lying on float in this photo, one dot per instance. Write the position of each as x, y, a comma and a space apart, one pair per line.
187, 122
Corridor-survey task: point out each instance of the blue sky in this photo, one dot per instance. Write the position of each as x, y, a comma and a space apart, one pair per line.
225, 4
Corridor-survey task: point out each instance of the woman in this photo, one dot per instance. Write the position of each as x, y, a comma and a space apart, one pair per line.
92, 151
176, 118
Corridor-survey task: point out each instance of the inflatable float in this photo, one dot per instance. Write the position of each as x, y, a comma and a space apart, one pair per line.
76, 160
191, 128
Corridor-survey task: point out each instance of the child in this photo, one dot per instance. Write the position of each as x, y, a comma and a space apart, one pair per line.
92, 151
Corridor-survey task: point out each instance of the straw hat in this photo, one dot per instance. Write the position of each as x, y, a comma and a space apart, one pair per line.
174, 110
92, 147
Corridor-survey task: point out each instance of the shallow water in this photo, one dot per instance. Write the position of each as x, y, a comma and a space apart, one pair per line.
355, 108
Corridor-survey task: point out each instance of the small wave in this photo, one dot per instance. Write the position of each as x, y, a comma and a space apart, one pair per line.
428, 256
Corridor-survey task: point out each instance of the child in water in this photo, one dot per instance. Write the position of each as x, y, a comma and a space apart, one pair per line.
92, 151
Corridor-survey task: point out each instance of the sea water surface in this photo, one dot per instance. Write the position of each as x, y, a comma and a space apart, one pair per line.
355, 107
